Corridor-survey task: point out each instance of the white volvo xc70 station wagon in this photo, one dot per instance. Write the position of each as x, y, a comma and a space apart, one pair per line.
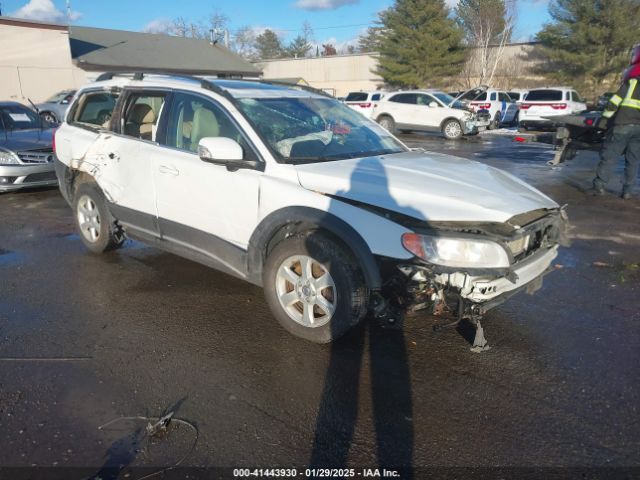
292, 190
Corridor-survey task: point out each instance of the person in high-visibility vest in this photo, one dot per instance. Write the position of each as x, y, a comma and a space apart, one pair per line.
623, 119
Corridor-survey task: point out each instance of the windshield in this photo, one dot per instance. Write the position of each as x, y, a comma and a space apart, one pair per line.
17, 117
303, 130
58, 97
443, 97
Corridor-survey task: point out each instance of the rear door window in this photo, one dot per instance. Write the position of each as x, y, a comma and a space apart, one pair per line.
142, 113
375, 97
95, 108
544, 95
493, 97
410, 98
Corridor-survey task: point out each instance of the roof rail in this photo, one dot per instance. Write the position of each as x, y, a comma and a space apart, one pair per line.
292, 85
207, 84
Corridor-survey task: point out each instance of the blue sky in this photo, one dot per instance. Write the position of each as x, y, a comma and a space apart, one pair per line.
337, 21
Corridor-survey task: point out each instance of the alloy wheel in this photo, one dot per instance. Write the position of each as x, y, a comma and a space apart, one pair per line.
306, 291
88, 219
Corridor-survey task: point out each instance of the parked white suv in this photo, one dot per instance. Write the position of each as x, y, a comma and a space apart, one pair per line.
363, 102
501, 107
542, 104
291, 190
426, 110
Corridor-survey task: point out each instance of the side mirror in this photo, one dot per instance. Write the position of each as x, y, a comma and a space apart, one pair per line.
224, 151
433, 104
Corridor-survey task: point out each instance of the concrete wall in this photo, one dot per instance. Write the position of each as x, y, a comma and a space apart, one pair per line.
347, 73
35, 62
337, 74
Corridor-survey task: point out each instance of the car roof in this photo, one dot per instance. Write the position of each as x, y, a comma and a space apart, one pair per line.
422, 90
13, 104
234, 88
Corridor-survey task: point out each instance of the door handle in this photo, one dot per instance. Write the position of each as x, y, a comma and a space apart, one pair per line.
169, 170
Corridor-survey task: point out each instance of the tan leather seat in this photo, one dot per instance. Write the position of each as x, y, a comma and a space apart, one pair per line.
140, 122
205, 124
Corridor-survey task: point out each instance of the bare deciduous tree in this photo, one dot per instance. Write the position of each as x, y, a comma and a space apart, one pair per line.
488, 27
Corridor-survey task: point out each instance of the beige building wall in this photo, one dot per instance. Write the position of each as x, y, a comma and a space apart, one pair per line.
35, 62
336, 74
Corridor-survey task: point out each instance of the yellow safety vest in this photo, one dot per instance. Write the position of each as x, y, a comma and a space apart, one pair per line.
627, 101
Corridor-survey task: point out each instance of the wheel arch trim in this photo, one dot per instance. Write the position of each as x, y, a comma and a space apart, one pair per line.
290, 220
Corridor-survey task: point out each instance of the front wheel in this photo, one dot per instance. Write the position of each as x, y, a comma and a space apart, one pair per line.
452, 129
97, 228
314, 287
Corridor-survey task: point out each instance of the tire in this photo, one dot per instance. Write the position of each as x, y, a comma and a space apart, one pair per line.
451, 129
48, 117
96, 226
495, 123
335, 308
387, 123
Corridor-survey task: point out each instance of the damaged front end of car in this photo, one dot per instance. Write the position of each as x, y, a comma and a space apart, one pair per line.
463, 270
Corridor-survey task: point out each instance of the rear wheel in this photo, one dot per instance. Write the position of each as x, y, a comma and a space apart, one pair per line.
387, 123
314, 287
97, 228
495, 123
451, 129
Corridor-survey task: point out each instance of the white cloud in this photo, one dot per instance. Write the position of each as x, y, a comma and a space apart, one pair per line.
158, 25
44, 11
323, 4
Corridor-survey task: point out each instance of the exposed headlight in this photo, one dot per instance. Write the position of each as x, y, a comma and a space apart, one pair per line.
456, 252
8, 158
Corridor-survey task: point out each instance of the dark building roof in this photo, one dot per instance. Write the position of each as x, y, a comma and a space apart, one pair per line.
101, 49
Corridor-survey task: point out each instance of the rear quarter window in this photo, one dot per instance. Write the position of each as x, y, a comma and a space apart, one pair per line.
544, 95
94, 108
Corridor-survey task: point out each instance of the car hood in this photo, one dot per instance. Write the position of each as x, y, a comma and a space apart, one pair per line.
426, 186
19, 140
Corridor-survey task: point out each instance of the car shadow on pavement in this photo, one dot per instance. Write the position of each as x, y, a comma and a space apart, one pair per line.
389, 368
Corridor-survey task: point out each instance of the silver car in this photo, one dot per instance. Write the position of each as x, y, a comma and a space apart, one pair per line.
53, 109
26, 153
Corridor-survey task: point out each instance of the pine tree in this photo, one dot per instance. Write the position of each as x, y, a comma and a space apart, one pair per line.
370, 41
299, 47
588, 41
268, 45
419, 44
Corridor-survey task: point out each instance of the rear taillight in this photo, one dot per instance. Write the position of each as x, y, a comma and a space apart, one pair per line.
364, 105
53, 140
558, 106
525, 106
589, 121
482, 106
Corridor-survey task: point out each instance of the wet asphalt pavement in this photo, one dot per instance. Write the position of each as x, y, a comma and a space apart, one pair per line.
86, 340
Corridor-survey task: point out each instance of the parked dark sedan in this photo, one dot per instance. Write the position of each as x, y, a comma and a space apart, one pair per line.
26, 153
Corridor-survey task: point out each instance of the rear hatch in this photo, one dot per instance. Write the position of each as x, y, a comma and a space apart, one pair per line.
545, 102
